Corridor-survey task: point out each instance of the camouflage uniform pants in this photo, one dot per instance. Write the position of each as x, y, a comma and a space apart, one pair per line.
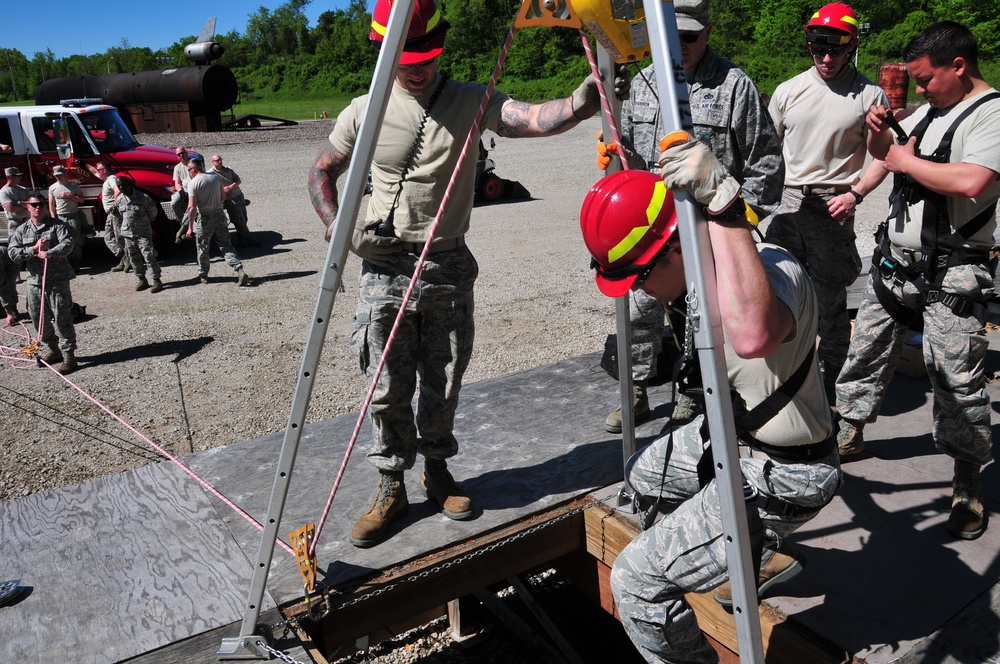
113, 233
142, 254
954, 350
828, 251
236, 208
686, 551
433, 343
58, 308
647, 318
179, 206
214, 226
77, 224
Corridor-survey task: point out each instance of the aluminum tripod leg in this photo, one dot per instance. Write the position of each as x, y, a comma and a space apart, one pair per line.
243, 647
703, 313
623, 325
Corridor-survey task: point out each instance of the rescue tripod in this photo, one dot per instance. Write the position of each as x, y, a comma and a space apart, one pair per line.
702, 314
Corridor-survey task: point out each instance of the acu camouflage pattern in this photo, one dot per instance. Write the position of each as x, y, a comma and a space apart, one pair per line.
58, 298
730, 117
954, 352
686, 551
8, 282
828, 251
434, 341
214, 226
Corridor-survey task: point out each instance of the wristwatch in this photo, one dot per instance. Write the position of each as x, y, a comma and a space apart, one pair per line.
858, 197
736, 212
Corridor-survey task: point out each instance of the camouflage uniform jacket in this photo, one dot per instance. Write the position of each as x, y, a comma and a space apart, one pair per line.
728, 114
138, 212
22, 249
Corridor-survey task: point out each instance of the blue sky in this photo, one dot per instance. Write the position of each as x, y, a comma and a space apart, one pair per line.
94, 26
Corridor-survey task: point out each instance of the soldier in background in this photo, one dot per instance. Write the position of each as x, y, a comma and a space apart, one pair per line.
205, 210
138, 212
235, 203
64, 203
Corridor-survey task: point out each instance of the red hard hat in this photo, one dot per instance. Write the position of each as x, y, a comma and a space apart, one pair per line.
627, 218
835, 15
424, 41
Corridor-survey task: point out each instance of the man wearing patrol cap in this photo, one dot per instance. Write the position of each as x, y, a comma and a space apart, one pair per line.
426, 123
824, 160
789, 463
12, 197
138, 212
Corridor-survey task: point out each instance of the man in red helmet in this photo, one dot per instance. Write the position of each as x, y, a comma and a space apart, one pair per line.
789, 461
426, 123
825, 157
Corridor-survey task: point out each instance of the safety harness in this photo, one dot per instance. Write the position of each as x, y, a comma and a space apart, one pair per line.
940, 249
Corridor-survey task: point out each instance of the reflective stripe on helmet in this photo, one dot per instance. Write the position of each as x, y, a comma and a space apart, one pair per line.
636, 234
432, 23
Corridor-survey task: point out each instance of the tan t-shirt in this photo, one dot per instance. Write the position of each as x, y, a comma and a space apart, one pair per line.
206, 188
975, 142
806, 419
822, 127
444, 135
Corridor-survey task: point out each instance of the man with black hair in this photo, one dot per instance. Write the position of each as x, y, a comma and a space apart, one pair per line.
933, 261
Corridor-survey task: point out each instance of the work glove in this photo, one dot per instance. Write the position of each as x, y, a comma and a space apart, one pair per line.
586, 99
382, 251
604, 151
686, 163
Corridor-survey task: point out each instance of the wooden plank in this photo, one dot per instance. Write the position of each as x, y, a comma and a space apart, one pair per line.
784, 641
459, 570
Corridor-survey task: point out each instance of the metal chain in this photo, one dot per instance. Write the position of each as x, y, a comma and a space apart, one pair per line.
472, 554
286, 625
278, 654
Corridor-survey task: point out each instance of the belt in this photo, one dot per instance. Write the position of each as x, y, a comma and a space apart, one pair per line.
810, 190
438, 246
798, 453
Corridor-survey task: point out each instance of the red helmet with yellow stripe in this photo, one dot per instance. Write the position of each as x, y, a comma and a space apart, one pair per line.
835, 15
627, 219
425, 39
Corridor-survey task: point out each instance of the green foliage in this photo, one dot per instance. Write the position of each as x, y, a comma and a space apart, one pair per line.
280, 57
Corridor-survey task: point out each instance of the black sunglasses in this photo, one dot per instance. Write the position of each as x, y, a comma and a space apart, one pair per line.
34, 204
823, 51
690, 37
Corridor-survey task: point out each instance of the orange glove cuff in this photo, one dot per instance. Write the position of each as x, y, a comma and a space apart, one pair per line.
673, 138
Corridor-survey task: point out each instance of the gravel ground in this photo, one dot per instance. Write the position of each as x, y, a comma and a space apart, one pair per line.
197, 367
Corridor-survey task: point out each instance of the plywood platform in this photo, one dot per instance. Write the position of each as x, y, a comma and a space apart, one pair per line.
146, 566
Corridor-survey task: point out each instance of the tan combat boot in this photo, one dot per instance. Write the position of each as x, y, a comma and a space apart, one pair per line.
438, 485
850, 438
785, 563
388, 504
640, 407
121, 264
53, 355
68, 364
142, 285
242, 279
157, 286
968, 514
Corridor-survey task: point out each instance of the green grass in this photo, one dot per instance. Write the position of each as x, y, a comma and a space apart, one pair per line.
295, 109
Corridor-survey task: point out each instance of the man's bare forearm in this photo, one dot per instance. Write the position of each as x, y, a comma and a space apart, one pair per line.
329, 165
519, 119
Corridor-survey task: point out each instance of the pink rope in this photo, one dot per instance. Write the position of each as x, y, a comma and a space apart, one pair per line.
605, 104
208, 487
413, 280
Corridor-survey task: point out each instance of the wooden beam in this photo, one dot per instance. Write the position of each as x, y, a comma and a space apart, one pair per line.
440, 577
785, 642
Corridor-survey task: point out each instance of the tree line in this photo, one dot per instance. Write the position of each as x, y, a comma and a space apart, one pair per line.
279, 55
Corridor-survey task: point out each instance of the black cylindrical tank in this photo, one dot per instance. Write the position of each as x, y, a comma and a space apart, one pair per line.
213, 86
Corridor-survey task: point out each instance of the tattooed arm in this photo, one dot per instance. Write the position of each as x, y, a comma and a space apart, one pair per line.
329, 165
519, 119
